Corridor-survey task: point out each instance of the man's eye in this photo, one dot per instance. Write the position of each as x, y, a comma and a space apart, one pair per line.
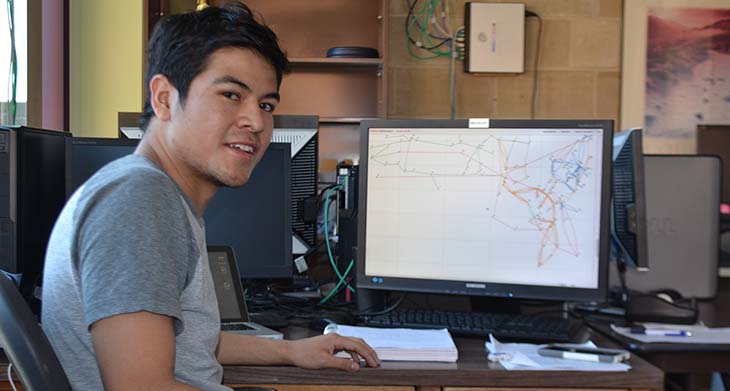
231, 95
267, 107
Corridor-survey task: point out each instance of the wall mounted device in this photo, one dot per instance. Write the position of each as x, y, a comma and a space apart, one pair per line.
495, 38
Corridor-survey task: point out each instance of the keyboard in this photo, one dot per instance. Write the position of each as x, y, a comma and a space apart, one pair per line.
235, 326
513, 327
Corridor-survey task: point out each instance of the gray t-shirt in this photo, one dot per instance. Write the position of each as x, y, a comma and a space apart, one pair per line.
129, 240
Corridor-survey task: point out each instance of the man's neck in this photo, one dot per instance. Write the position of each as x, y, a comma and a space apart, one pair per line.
197, 189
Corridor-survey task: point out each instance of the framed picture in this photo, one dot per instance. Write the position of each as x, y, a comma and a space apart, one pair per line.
675, 70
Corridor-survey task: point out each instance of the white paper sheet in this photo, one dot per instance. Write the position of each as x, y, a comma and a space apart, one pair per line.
526, 358
403, 344
700, 334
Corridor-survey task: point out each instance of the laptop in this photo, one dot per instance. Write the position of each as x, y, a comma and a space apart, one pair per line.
228, 291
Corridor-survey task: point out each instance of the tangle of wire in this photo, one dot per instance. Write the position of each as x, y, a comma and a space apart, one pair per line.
432, 29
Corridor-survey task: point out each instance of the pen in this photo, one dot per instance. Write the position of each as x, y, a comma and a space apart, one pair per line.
664, 333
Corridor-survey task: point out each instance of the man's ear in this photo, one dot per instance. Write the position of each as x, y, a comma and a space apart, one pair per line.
162, 96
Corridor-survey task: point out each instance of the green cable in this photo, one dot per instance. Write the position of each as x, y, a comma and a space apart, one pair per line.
13, 63
327, 237
424, 15
337, 287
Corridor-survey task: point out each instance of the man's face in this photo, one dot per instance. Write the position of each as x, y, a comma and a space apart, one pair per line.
225, 123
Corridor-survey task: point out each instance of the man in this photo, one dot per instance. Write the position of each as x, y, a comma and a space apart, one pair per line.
128, 297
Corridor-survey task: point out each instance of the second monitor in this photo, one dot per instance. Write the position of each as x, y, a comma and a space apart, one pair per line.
254, 219
511, 208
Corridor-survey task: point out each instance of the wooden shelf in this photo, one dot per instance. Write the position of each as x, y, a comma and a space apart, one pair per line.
336, 62
343, 120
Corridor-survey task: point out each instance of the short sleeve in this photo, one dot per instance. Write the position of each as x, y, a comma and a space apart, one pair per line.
134, 248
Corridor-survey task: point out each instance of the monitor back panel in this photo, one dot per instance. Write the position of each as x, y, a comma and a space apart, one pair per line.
683, 198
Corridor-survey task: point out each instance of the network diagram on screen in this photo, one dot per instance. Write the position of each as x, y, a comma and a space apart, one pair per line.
514, 206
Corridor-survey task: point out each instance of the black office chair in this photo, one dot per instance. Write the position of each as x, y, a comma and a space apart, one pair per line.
25, 344
28, 349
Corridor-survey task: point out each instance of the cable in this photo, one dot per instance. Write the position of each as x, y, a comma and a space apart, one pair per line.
386, 310
10, 377
327, 240
460, 43
536, 80
452, 79
414, 20
337, 287
13, 63
424, 39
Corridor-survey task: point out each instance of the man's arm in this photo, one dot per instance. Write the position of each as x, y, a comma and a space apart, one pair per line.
136, 351
314, 353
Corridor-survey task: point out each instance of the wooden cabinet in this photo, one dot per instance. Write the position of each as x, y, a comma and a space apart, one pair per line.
342, 91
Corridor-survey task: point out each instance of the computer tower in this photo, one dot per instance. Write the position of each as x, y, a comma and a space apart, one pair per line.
8, 201
32, 194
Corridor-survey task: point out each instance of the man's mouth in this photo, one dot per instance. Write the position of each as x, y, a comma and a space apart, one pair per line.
242, 147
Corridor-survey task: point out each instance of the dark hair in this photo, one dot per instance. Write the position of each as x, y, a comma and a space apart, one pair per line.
181, 45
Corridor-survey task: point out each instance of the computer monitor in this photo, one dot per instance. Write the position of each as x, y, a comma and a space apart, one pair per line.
255, 219
628, 207
301, 131
715, 140
86, 155
500, 208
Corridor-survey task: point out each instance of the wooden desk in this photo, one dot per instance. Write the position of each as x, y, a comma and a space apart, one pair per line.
689, 370
471, 373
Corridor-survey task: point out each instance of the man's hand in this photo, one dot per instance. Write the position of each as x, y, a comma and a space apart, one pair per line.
318, 352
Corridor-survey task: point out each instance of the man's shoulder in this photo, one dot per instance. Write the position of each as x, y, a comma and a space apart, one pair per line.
132, 169
131, 176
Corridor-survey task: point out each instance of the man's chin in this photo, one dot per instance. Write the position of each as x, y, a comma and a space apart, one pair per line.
229, 182
235, 182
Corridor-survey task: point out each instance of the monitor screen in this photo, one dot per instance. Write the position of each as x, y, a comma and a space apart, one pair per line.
227, 284
255, 219
510, 208
86, 155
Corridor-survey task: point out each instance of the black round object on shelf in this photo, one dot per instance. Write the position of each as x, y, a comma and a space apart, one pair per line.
352, 52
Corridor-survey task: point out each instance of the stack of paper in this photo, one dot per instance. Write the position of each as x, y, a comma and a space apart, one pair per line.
525, 357
403, 344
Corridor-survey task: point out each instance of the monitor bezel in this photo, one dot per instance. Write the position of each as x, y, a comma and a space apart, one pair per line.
480, 288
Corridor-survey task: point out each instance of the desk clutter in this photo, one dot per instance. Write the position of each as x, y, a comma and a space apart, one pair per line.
527, 357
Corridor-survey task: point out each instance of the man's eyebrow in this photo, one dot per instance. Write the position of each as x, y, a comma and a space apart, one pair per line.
233, 80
